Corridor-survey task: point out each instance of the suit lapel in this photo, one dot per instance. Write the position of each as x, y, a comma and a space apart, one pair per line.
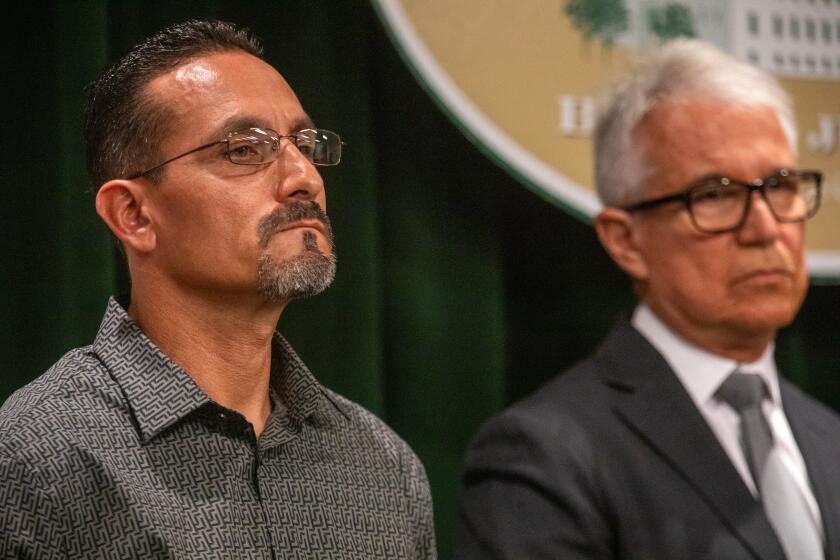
820, 451
657, 407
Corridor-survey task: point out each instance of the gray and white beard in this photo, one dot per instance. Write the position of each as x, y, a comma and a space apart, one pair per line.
308, 273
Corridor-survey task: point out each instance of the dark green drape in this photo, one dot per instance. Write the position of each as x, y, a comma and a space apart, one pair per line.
458, 290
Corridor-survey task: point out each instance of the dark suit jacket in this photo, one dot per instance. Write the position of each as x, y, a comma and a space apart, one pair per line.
613, 460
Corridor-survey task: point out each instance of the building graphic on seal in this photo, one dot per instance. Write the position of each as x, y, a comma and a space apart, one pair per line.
792, 38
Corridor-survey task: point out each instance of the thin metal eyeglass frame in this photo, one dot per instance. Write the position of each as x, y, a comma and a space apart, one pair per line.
759, 185
274, 135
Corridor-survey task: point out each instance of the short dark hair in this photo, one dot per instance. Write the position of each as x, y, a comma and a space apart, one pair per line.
123, 125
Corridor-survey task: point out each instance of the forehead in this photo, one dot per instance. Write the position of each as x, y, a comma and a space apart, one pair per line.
686, 140
210, 93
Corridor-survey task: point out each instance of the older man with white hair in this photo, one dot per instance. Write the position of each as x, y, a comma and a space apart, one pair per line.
677, 438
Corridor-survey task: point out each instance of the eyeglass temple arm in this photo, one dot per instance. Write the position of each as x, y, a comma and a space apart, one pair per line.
679, 197
158, 166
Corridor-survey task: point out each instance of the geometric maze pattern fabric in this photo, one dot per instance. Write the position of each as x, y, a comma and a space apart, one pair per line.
114, 452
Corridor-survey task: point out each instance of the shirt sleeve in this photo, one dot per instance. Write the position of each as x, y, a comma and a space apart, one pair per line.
27, 513
426, 545
420, 498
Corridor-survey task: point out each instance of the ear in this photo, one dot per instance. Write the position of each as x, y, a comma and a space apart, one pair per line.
123, 206
616, 232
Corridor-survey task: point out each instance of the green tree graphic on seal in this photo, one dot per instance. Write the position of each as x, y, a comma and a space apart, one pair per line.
606, 20
601, 19
671, 21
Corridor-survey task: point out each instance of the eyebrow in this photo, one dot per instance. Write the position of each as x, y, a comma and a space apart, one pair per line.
244, 122
709, 177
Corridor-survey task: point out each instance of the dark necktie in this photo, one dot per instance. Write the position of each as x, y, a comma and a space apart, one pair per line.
783, 502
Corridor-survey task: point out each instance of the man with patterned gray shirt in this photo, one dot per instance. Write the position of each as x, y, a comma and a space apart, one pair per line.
190, 428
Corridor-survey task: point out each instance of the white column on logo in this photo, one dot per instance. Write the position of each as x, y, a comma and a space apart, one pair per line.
824, 139
577, 115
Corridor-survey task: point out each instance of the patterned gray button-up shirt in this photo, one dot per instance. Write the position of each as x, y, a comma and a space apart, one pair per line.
115, 453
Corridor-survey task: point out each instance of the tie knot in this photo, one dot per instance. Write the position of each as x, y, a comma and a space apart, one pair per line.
742, 390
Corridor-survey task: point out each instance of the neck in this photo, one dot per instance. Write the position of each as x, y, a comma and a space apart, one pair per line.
223, 342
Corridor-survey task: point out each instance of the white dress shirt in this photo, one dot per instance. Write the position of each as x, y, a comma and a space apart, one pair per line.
702, 373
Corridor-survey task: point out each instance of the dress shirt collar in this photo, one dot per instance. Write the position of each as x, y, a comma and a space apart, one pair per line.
700, 371
160, 393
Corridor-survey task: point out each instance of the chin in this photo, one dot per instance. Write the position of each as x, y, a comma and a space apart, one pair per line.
771, 296
767, 315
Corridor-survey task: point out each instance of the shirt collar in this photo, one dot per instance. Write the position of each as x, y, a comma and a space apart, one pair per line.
700, 371
298, 389
160, 393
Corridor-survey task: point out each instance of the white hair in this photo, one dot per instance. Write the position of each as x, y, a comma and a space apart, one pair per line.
680, 69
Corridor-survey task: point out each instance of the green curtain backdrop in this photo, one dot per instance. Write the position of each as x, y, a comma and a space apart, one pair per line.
458, 291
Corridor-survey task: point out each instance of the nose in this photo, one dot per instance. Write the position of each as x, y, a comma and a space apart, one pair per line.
760, 225
298, 179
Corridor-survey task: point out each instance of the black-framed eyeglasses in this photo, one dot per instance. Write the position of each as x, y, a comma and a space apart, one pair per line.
256, 146
720, 204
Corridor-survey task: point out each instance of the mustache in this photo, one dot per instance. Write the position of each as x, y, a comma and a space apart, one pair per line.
283, 216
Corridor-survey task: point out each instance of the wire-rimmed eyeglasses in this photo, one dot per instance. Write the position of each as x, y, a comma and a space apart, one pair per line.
719, 204
256, 146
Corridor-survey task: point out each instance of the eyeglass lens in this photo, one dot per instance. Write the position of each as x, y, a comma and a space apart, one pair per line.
252, 147
321, 147
721, 205
257, 145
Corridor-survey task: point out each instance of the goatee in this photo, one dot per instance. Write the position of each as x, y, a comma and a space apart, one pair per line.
308, 273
